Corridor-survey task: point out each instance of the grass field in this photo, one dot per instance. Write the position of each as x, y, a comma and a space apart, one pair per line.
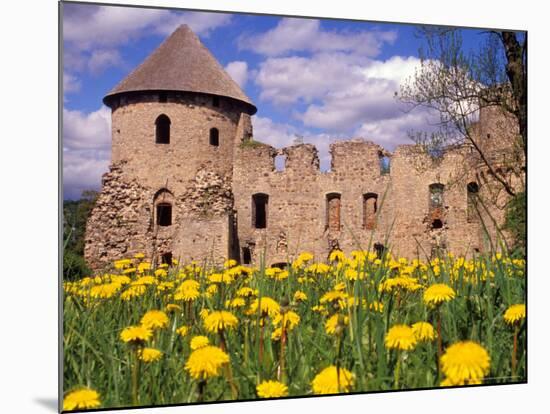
180, 334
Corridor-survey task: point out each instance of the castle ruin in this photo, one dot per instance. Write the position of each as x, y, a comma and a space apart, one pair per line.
187, 179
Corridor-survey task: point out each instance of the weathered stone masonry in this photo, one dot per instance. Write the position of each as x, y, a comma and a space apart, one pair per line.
188, 180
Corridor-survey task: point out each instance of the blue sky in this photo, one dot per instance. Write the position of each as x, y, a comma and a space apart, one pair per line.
323, 80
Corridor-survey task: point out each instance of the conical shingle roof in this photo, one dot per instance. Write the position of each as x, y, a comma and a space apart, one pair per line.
181, 63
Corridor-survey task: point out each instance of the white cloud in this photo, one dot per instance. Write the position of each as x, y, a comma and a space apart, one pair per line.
292, 35
82, 170
290, 79
344, 93
70, 83
87, 131
395, 131
238, 70
201, 23
92, 34
102, 59
86, 150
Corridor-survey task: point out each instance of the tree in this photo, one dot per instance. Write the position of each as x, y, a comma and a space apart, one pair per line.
457, 85
75, 215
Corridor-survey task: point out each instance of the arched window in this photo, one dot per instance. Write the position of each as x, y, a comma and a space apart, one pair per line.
162, 130
370, 207
259, 210
214, 137
333, 211
163, 202
473, 190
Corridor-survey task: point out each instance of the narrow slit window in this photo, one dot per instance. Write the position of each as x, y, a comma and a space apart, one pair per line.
247, 255
162, 130
214, 137
333, 211
259, 210
164, 214
473, 190
384, 164
370, 207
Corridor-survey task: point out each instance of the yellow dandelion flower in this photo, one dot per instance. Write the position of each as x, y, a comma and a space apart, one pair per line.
282, 275
332, 323
337, 255
351, 274
220, 278
219, 320
465, 362
187, 291
302, 259
236, 303
267, 305
133, 292
154, 319
139, 255
206, 362
121, 279
400, 337
340, 287
122, 264
173, 308
271, 389
289, 319
271, 272
81, 399
165, 286
136, 334
332, 296
230, 263
105, 291
437, 294
320, 268
320, 309
150, 354
514, 314
300, 296
161, 273
203, 313
423, 331
246, 292
143, 266
211, 290
182, 330
144, 280
199, 341
276, 334
332, 381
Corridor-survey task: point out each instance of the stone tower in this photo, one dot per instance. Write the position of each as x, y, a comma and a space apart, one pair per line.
176, 120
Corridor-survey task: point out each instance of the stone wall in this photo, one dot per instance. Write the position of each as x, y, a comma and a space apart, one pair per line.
357, 204
299, 209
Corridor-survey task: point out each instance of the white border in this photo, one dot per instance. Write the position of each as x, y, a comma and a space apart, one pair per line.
28, 343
